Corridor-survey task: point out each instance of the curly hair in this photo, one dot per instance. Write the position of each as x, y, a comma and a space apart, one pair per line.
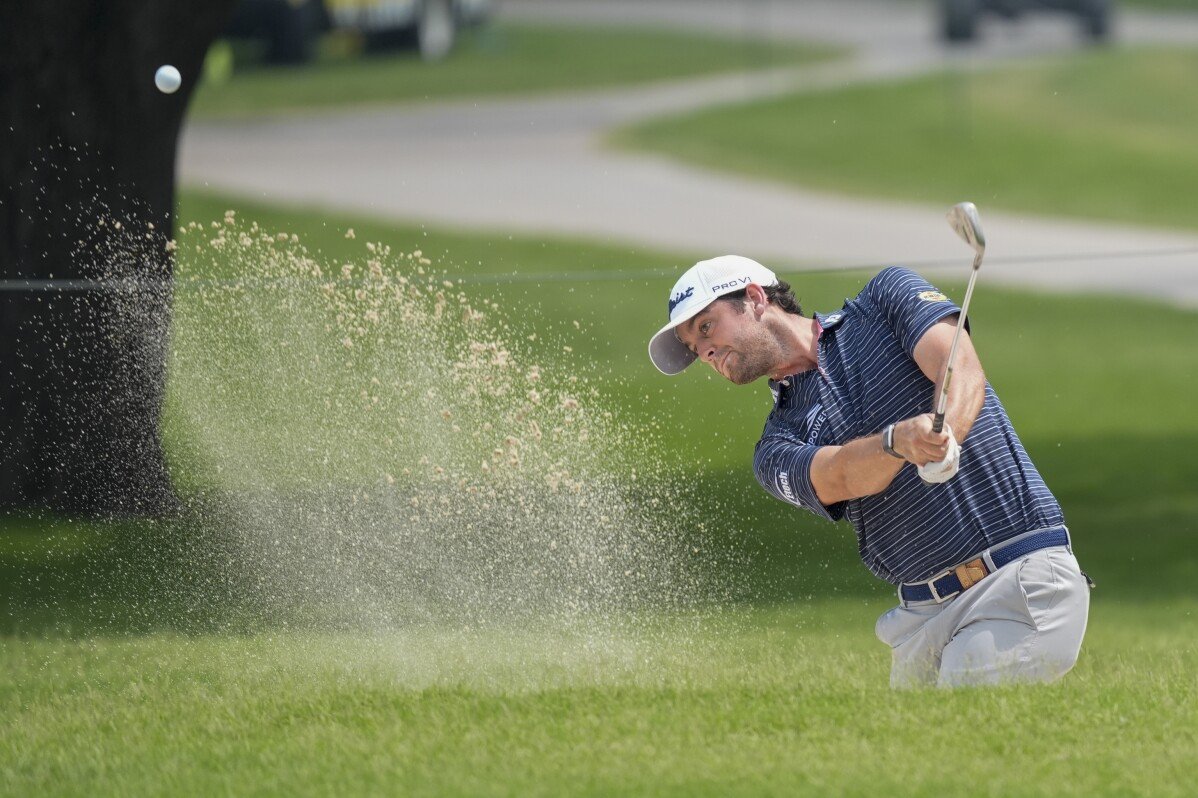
779, 294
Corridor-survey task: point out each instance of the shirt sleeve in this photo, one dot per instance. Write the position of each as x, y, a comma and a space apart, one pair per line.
783, 467
909, 304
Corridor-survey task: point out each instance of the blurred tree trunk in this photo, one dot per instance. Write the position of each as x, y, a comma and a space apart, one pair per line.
87, 180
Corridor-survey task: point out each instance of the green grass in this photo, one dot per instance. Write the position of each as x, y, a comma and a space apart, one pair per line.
131, 663
774, 702
498, 59
1107, 134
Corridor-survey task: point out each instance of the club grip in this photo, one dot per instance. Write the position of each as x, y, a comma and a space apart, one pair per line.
938, 422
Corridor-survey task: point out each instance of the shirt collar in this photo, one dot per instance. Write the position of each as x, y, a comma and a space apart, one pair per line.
826, 321
830, 320
777, 386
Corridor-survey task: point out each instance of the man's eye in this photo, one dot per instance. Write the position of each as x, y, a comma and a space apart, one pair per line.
705, 327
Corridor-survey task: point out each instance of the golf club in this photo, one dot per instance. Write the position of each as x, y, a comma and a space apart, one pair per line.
964, 219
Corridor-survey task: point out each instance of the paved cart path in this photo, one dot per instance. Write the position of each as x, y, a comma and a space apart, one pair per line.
538, 165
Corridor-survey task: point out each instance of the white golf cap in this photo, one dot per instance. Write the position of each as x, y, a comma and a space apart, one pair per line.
694, 291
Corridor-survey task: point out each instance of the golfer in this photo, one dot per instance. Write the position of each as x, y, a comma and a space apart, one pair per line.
959, 521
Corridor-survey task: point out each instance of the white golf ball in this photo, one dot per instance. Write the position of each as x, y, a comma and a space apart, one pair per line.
167, 79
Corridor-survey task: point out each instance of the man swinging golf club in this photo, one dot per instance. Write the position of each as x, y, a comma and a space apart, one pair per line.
946, 504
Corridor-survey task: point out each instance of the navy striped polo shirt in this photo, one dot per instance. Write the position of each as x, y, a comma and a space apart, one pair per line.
867, 378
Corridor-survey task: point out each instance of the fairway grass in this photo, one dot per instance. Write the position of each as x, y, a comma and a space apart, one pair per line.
778, 701
498, 59
1104, 134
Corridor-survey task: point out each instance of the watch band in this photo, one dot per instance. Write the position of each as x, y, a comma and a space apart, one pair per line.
888, 442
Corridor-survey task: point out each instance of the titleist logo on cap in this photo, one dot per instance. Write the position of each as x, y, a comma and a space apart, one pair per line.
682, 295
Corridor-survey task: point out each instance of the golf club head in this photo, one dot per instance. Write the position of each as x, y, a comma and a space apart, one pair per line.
964, 219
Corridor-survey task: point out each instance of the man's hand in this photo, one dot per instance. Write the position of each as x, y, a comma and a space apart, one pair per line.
917, 443
946, 469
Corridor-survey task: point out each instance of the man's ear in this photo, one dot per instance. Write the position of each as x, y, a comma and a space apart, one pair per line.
756, 296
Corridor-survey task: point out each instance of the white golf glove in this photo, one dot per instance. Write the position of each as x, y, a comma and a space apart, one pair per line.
946, 469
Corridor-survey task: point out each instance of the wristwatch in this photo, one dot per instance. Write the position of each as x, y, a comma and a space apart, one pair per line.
888, 442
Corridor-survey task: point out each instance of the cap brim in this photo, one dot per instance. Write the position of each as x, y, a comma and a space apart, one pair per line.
670, 355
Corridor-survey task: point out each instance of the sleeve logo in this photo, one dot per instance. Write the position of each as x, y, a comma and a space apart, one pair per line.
784, 485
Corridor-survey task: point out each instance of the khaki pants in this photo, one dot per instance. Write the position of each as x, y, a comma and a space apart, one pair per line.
1022, 623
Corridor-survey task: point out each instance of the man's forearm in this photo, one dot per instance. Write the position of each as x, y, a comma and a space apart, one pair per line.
859, 468
966, 396
863, 467
967, 393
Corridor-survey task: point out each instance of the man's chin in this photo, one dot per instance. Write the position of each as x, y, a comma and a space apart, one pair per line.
744, 377
743, 370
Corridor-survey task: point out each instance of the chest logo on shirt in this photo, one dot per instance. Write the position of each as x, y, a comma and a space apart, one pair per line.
814, 422
932, 296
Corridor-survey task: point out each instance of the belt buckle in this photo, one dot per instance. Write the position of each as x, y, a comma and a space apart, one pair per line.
931, 583
968, 574
939, 599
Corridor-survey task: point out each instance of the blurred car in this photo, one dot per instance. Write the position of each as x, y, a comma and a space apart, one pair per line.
959, 18
292, 27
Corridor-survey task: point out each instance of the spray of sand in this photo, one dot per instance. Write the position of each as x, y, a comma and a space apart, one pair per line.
379, 450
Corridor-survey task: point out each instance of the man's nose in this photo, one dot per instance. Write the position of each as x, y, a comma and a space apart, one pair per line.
707, 354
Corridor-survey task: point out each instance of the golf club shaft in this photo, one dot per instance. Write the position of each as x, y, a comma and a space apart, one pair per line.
942, 403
